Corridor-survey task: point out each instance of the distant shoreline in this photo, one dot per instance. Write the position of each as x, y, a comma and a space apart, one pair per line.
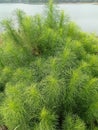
95, 3
46, 2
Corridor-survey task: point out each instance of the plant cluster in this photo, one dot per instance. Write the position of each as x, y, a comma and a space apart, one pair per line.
49, 74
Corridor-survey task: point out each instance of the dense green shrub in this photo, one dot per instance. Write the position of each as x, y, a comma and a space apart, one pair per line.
49, 74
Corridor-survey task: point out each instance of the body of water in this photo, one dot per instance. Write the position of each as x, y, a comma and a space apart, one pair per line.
85, 15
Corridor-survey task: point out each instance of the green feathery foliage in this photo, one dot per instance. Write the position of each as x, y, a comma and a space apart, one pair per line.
73, 122
49, 73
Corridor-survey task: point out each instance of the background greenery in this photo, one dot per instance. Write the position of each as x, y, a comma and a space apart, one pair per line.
48, 74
